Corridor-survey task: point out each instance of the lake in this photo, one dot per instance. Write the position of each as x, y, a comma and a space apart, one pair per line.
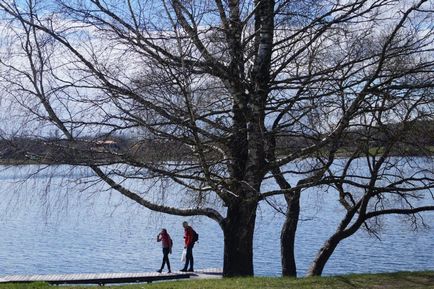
47, 226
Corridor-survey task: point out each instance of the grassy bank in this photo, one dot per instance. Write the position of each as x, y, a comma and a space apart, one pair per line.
402, 280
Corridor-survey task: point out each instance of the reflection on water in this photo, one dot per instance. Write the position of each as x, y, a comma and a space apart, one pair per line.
106, 233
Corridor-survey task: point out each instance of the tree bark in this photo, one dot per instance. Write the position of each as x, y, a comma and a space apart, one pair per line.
287, 235
238, 232
324, 254
341, 233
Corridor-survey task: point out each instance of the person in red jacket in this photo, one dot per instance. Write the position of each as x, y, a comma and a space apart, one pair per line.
166, 243
188, 244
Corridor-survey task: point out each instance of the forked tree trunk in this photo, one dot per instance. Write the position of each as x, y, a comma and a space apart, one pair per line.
238, 239
287, 236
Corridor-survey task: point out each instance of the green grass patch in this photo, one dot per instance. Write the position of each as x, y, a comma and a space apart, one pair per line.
401, 280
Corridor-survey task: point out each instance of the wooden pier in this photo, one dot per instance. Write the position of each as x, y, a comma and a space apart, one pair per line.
109, 278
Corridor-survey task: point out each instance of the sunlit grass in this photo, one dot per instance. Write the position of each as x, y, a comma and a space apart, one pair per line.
402, 280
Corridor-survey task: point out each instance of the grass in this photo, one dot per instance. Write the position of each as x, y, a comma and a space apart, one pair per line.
401, 280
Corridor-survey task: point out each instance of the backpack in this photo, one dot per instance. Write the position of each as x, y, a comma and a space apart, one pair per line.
195, 236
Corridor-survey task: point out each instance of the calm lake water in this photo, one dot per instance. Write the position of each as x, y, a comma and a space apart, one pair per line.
47, 227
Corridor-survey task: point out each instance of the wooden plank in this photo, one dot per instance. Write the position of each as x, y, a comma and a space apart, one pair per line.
210, 271
105, 278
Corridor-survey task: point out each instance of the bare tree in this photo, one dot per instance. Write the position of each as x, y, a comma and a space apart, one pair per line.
378, 80
241, 89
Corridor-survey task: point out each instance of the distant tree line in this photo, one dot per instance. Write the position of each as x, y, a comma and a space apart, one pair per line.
86, 151
417, 141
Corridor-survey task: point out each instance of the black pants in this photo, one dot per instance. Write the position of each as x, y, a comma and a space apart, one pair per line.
166, 258
189, 258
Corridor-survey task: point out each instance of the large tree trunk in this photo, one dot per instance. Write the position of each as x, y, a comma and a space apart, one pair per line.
287, 236
238, 239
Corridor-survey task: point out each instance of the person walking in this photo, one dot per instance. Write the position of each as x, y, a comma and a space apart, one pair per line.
190, 237
167, 244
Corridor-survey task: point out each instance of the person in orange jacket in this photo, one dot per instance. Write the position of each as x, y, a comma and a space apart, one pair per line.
188, 244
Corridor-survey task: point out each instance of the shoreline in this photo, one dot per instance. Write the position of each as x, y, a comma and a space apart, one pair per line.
339, 155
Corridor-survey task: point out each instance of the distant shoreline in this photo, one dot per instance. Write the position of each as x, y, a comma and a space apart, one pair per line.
429, 151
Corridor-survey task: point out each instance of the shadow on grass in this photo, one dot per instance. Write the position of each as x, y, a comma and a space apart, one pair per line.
347, 280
